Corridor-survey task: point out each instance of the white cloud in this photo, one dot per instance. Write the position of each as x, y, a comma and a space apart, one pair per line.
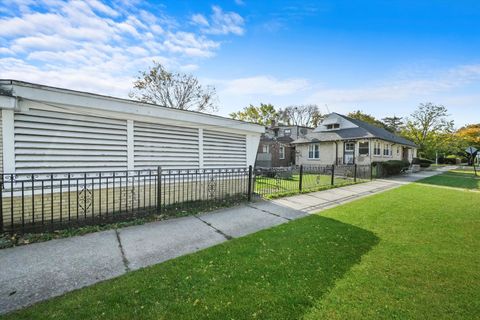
92, 45
400, 89
200, 20
221, 23
266, 85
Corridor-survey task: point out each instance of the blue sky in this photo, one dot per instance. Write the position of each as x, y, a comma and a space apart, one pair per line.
382, 57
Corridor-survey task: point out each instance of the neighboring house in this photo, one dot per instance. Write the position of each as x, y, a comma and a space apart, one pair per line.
47, 129
276, 149
342, 140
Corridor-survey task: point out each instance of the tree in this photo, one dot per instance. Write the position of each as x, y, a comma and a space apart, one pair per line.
263, 114
393, 124
173, 90
430, 128
365, 117
301, 115
470, 135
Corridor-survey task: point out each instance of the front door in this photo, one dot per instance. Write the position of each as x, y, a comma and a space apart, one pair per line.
349, 153
405, 154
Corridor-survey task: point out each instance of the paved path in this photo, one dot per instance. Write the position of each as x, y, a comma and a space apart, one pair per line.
39, 271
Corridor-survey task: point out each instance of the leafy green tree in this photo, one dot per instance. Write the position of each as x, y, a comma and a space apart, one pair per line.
430, 128
365, 117
173, 90
263, 114
393, 124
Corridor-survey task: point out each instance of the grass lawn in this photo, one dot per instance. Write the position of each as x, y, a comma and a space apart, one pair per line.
272, 187
455, 178
409, 253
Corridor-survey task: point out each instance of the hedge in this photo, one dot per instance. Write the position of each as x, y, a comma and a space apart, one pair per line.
391, 167
424, 163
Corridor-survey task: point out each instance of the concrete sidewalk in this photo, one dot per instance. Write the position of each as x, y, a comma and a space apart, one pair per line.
39, 271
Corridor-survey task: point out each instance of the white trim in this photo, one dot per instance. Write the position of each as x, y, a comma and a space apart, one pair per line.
8, 102
200, 148
280, 157
130, 145
90, 101
8, 134
313, 145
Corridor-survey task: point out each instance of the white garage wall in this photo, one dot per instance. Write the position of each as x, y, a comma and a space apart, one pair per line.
49, 140
165, 146
222, 149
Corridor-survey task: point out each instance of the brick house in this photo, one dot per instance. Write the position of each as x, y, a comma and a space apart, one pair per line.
276, 149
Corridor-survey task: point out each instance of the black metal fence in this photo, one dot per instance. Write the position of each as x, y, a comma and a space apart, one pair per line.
274, 182
43, 202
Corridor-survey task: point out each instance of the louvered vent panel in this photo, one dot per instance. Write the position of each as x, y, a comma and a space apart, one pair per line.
48, 141
222, 149
165, 146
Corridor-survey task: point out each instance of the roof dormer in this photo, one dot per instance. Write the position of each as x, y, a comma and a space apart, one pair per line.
333, 122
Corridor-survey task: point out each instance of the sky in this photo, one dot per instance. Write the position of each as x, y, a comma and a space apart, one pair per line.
381, 57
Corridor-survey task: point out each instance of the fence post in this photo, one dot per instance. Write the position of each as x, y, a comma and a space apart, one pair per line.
300, 179
333, 175
355, 173
250, 181
159, 189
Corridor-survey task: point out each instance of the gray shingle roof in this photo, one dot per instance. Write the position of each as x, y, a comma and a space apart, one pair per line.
363, 131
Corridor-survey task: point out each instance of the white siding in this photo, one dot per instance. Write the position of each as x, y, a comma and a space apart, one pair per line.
47, 141
166, 146
1, 143
222, 149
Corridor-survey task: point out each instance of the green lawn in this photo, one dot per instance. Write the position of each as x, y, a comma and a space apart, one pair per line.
409, 253
455, 178
273, 187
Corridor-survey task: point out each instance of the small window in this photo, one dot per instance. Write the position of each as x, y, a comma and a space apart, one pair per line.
349, 146
287, 132
376, 149
333, 126
281, 152
266, 148
398, 150
363, 148
314, 151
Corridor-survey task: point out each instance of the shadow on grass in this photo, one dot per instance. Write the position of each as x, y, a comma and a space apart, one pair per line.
456, 179
274, 274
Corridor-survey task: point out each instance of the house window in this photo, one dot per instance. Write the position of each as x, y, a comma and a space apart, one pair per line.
387, 150
376, 149
287, 132
281, 152
398, 150
333, 126
266, 148
349, 153
363, 148
314, 151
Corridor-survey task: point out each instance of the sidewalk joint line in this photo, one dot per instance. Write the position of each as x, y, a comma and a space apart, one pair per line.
273, 214
226, 236
122, 252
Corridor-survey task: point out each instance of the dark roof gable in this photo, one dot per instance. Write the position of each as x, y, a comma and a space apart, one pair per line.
362, 131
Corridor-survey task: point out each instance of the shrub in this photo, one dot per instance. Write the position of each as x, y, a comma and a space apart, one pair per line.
451, 159
424, 163
391, 167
